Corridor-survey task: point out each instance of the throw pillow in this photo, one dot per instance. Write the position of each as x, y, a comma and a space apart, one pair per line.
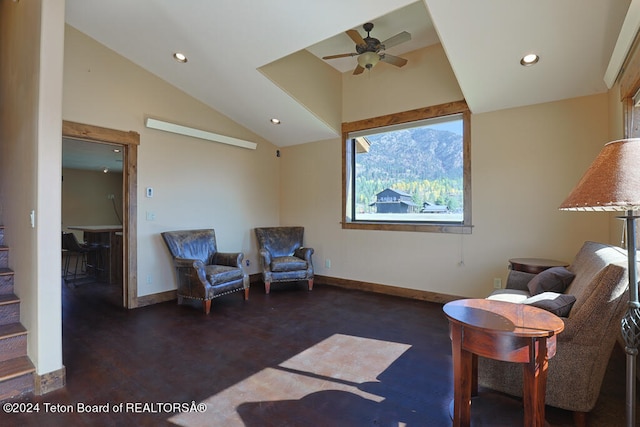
555, 279
558, 304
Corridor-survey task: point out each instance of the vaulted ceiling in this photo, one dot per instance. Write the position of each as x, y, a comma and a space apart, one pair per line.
228, 41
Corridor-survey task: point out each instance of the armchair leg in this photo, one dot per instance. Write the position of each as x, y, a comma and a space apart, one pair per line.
310, 284
206, 306
246, 294
267, 287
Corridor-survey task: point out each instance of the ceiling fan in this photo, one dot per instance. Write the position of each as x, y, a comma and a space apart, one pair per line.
370, 50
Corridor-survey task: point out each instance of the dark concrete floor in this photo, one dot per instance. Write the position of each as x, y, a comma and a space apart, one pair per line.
330, 357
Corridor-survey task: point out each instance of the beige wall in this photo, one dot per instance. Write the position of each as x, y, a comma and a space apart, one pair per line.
197, 183
427, 79
31, 40
85, 201
524, 162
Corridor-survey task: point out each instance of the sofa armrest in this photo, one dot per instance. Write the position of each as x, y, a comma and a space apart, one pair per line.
595, 317
231, 259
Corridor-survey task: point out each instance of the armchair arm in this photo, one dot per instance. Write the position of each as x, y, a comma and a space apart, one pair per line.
304, 253
192, 279
265, 256
232, 259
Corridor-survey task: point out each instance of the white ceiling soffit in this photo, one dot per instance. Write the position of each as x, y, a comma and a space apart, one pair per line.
485, 40
226, 41
413, 19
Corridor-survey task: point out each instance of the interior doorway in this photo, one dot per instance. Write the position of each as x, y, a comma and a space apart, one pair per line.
129, 142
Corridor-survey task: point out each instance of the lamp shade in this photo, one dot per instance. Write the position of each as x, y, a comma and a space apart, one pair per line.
612, 182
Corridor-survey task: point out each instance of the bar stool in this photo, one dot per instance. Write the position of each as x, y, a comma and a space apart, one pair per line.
80, 251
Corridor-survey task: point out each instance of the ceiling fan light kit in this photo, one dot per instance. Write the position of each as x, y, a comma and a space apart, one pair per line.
370, 50
368, 60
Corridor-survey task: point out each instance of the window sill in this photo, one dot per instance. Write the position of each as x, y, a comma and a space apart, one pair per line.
426, 228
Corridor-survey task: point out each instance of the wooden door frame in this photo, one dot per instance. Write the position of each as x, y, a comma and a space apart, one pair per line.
129, 142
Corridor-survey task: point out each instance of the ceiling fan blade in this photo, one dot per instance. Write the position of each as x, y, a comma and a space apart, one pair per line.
356, 37
393, 60
342, 55
358, 70
396, 40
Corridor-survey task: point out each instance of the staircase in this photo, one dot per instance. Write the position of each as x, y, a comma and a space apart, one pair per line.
16, 370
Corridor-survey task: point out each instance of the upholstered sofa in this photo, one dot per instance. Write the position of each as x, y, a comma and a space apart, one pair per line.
592, 325
203, 272
283, 256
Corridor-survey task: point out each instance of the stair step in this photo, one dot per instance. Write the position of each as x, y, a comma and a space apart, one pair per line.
13, 341
6, 281
9, 299
9, 309
16, 377
4, 256
16, 367
11, 330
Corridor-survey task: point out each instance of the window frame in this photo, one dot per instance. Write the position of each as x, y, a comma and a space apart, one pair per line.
458, 107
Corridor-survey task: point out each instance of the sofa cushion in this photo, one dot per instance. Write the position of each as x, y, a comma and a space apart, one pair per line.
509, 295
556, 303
555, 279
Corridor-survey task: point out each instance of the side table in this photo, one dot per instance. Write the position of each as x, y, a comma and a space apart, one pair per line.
534, 265
504, 331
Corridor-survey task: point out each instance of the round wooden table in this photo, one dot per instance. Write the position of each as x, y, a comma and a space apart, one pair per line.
504, 331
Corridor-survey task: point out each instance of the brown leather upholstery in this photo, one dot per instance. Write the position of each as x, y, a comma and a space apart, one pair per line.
283, 257
203, 272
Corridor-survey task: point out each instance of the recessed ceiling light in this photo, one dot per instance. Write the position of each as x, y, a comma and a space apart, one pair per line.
529, 59
105, 169
180, 57
275, 121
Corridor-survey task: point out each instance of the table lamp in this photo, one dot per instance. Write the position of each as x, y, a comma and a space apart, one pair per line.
612, 183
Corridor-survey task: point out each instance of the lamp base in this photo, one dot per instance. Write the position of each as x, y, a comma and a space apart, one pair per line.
631, 333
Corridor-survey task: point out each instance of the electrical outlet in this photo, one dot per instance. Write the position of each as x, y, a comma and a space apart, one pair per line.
497, 283
248, 262
149, 279
151, 216
111, 196
327, 263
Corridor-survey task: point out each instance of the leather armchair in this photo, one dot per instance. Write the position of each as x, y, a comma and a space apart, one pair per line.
283, 257
203, 273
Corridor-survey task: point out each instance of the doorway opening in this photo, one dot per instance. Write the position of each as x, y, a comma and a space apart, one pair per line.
128, 142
